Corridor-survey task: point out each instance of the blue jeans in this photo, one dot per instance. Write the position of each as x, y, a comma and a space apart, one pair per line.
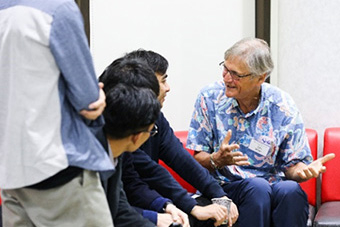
260, 204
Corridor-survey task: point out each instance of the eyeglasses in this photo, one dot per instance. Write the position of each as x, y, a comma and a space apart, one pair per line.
153, 131
234, 75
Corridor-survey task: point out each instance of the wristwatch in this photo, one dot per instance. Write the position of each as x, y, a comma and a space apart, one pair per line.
213, 164
166, 204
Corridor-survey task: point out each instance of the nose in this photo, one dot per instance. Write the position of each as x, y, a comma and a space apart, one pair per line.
167, 87
227, 77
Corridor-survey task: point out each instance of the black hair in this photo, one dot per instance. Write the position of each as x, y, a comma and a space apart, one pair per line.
154, 60
133, 72
129, 110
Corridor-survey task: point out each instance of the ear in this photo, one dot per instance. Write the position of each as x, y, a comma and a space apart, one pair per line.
135, 137
262, 78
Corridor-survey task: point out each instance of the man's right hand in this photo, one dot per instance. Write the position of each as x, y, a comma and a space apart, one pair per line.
164, 220
97, 107
213, 211
178, 216
226, 155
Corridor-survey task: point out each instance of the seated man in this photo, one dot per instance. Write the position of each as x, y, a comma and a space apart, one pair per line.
129, 115
166, 146
250, 134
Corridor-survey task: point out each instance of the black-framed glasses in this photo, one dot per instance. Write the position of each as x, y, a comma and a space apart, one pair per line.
234, 75
153, 131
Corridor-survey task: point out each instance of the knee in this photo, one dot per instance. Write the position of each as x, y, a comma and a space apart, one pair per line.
287, 188
259, 189
290, 191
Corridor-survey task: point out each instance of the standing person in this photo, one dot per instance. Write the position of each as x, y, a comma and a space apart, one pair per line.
251, 136
50, 101
165, 145
129, 115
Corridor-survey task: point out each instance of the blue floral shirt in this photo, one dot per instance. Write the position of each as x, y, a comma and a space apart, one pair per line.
273, 135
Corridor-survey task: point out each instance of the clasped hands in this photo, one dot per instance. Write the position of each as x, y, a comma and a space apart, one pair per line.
172, 214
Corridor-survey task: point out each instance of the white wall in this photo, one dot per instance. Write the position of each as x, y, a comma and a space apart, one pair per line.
307, 39
191, 34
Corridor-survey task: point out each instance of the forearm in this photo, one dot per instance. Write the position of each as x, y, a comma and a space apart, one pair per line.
204, 159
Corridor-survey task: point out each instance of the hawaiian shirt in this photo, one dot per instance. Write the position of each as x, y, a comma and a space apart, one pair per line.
272, 136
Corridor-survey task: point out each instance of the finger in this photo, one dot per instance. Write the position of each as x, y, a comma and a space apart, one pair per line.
85, 113
242, 163
91, 115
101, 99
96, 104
101, 85
219, 222
308, 173
234, 219
227, 148
185, 221
323, 169
99, 104
232, 147
314, 172
239, 158
182, 218
327, 157
177, 219
227, 138
230, 221
301, 174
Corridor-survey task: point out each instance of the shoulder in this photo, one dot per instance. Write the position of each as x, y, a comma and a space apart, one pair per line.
213, 92
213, 88
279, 99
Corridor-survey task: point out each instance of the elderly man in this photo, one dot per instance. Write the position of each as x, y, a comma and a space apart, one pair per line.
251, 136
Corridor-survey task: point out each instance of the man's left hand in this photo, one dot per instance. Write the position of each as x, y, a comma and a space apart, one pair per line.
315, 168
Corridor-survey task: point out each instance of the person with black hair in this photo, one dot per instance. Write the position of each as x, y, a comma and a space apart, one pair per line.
135, 72
130, 114
164, 145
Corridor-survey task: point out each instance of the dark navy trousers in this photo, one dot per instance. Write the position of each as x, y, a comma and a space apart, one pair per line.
260, 204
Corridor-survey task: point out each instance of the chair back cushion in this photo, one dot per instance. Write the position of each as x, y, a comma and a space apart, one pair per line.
182, 136
330, 185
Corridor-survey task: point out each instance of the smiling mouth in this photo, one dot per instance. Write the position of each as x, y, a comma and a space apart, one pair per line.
229, 87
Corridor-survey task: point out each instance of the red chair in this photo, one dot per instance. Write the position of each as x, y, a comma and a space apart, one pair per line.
182, 136
310, 186
328, 214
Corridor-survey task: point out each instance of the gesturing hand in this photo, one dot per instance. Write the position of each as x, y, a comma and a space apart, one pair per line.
226, 156
315, 168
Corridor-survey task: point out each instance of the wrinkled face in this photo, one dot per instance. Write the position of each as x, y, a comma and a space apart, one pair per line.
239, 87
163, 87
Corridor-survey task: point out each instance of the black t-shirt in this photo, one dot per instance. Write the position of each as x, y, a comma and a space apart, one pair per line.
58, 179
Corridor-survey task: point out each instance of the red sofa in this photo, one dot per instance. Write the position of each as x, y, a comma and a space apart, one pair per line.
182, 136
328, 214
